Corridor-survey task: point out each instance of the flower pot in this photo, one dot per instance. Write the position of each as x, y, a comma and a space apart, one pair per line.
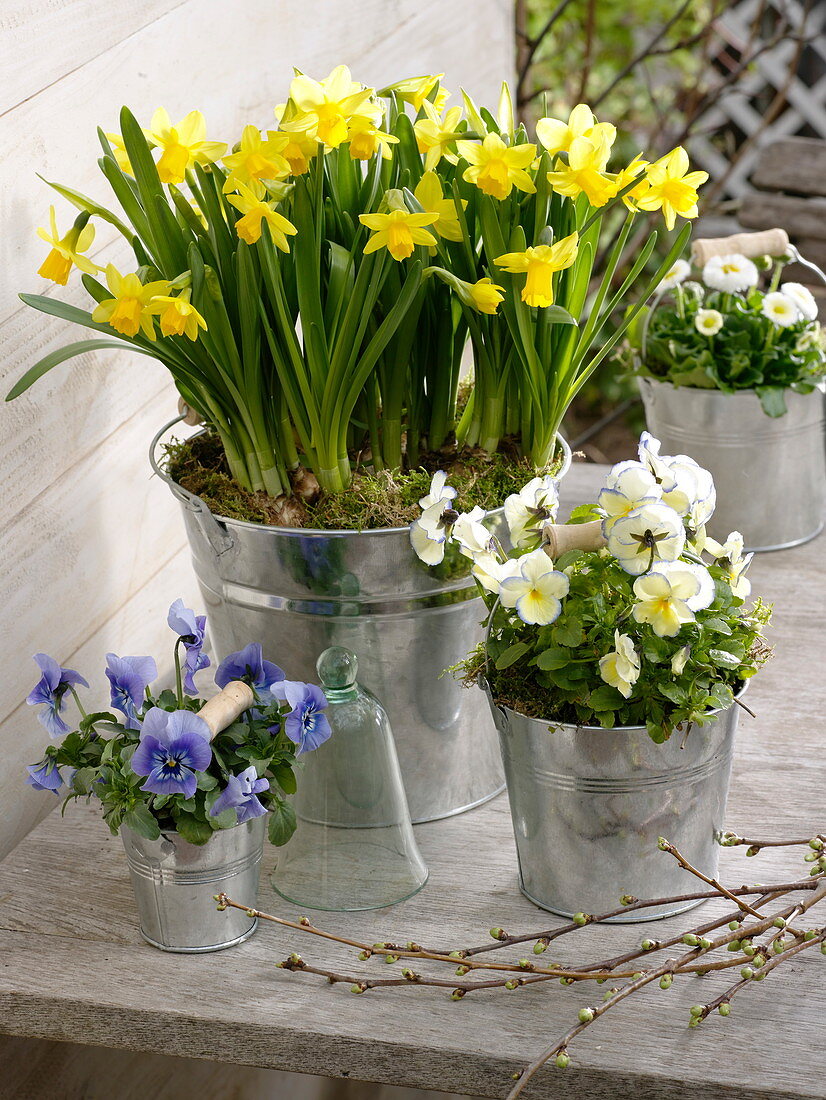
299, 591
589, 805
770, 473
175, 883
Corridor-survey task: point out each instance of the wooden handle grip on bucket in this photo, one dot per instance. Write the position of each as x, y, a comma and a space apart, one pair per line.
559, 538
222, 709
768, 242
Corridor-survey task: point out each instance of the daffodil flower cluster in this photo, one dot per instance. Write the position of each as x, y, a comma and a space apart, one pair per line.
312, 284
650, 629
724, 331
152, 762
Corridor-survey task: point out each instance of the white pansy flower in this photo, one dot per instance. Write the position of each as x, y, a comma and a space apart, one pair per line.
536, 593
647, 535
693, 494
680, 659
704, 597
649, 455
694, 290
428, 535
802, 298
674, 276
732, 273
471, 534
621, 667
528, 510
628, 486
780, 309
489, 571
708, 322
439, 490
730, 557
662, 602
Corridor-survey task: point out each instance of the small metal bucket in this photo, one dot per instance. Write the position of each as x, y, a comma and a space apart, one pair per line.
298, 591
589, 805
175, 883
770, 473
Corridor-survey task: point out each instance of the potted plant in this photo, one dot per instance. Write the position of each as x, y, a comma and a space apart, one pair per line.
614, 663
732, 372
312, 290
188, 784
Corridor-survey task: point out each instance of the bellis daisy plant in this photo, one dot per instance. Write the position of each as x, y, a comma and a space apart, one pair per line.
312, 282
156, 766
640, 620
725, 331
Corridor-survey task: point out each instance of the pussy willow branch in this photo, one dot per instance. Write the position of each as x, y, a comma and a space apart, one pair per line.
757, 939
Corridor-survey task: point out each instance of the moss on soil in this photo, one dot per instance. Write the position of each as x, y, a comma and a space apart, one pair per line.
373, 500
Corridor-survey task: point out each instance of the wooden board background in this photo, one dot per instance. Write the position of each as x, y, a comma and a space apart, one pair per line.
92, 549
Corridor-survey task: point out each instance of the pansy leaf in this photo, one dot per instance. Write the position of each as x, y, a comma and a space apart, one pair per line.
512, 654
140, 820
285, 778
282, 822
192, 829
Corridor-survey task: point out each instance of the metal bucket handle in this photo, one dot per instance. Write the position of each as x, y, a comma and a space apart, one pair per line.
216, 535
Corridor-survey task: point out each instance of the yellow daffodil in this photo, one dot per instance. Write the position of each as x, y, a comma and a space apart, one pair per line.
429, 194
67, 250
497, 168
671, 187
298, 151
634, 171
436, 136
183, 144
256, 159
121, 156
128, 310
486, 295
255, 210
585, 171
416, 90
539, 264
177, 315
557, 136
322, 109
398, 231
366, 140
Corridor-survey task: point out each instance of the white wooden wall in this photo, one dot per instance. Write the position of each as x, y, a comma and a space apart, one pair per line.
92, 550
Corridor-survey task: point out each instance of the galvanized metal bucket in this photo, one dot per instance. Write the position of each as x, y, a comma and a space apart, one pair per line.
770, 473
175, 883
298, 591
589, 805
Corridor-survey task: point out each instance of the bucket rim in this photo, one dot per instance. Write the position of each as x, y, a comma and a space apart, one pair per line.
709, 390
191, 499
485, 686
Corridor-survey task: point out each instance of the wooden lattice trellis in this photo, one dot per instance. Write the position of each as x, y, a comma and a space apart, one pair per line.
803, 87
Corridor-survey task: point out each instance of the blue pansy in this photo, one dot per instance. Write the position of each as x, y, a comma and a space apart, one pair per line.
129, 678
51, 690
240, 794
173, 747
44, 776
305, 725
191, 629
248, 664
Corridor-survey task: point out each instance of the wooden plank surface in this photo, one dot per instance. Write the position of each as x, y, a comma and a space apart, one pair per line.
795, 164
74, 967
798, 216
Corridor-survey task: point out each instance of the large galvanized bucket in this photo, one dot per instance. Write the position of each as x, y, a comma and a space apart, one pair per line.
770, 473
298, 591
175, 883
589, 805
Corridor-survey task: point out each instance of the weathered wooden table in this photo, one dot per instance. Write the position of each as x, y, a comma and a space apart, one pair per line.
73, 967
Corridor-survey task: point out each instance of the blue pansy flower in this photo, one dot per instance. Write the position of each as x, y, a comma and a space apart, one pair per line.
44, 776
240, 794
191, 629
305, 725
173, 747
50, 691
129, 678
248, 664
